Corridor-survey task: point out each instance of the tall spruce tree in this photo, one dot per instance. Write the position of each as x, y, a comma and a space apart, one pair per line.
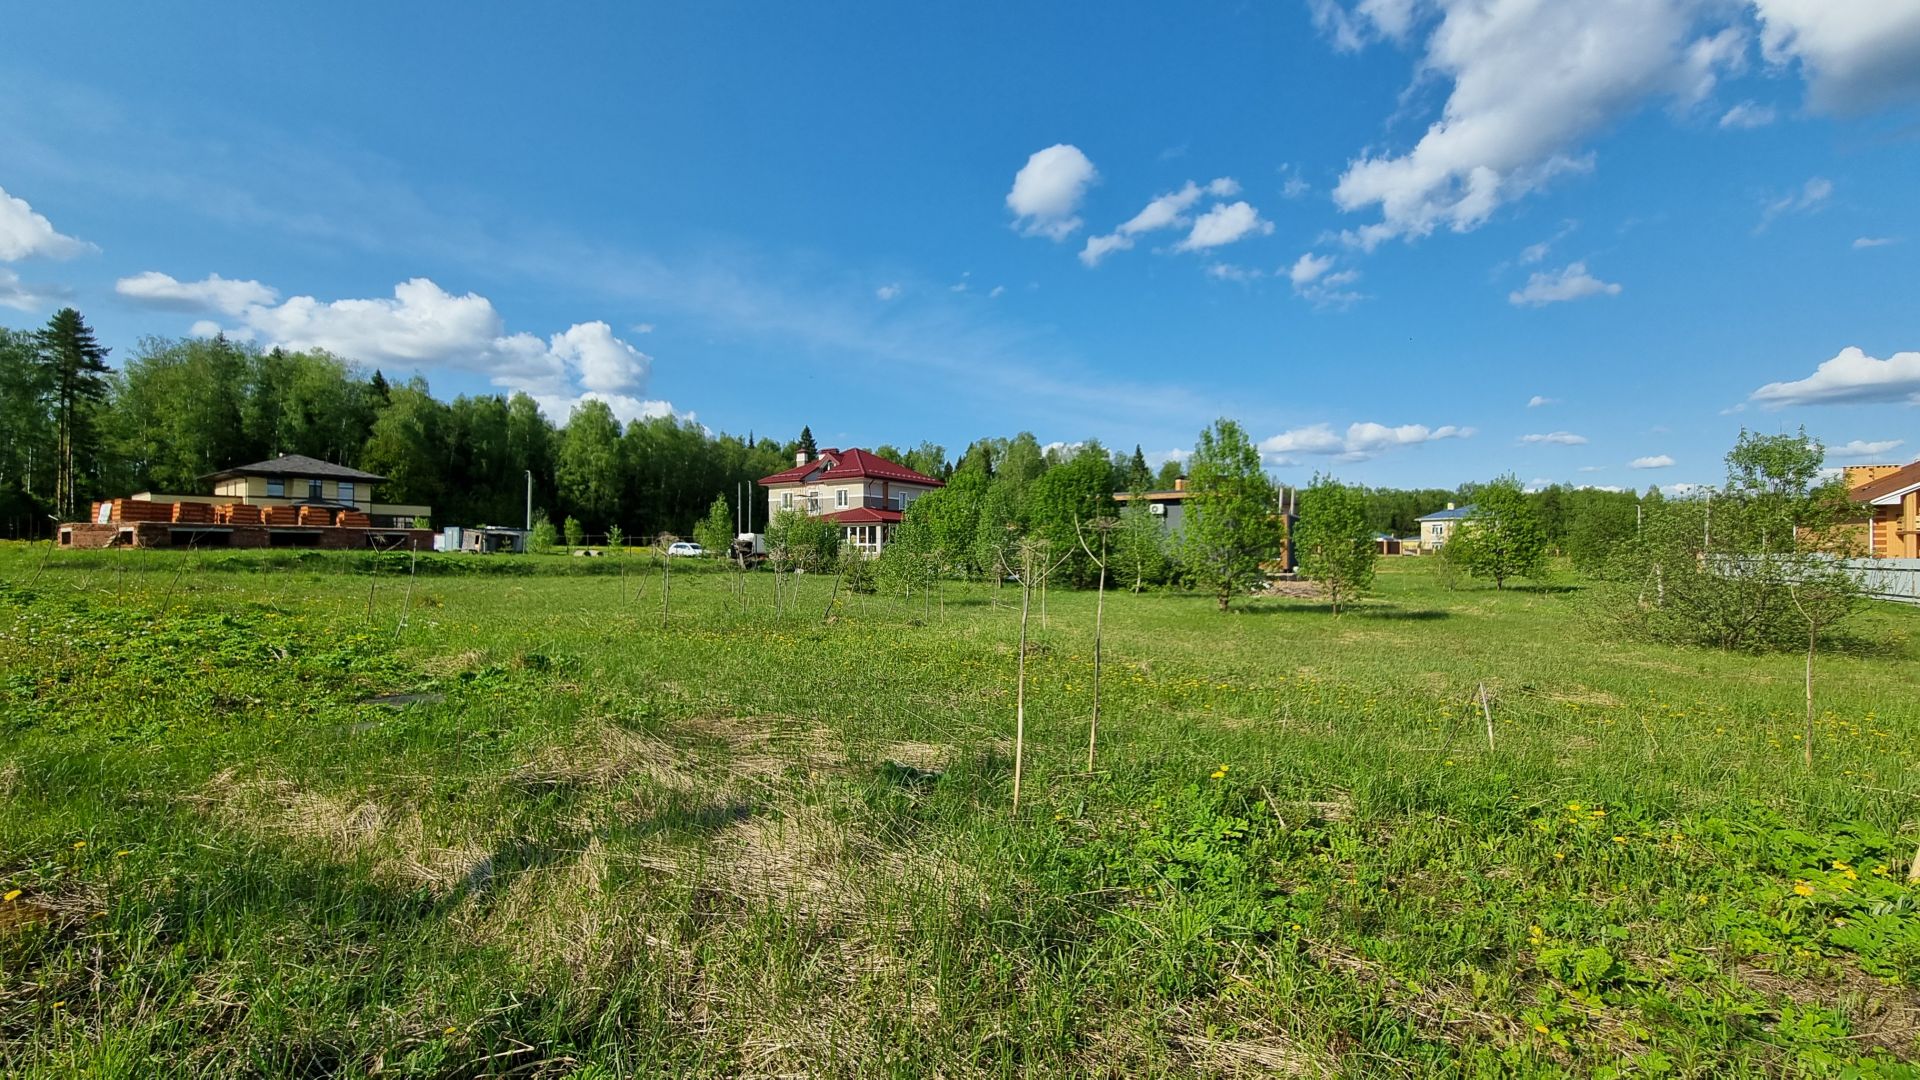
75, 366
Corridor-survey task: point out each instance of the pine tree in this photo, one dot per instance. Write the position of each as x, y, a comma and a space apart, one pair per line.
1138, 475
76, 368
806, 443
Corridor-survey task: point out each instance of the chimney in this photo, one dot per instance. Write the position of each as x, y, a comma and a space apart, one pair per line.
1449, 506
1179, 483
800, 458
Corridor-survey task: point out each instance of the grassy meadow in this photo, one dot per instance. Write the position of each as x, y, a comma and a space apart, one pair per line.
309, 814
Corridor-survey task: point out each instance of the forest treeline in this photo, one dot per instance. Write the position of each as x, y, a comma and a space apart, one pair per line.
74, 428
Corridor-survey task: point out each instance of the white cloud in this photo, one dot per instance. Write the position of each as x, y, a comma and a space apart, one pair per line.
212, 293
887, 291
1308, 267
1224, 224
1570, 283
1654, 461
1747, 115
1556, 438
1812, 195
1047, 190
1860, 448
424, 325
1099, 247
641, 328
1530, 79
24, 296
1234, 272
1162, 457
996, 291
24, 233
1537, 401
1295, 187
1861, 242
1851, 377
1854, 55
204, 328
1359, 442
1164, 212
1312, 282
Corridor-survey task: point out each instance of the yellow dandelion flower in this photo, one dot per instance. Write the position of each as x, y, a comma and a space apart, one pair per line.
78, 844
1574, 806
60, 1004
1559, 855
1542, 1029
1619, 839
12, 895
1880, 871
1216, 775
1838, 865
1801, 888
1599, 813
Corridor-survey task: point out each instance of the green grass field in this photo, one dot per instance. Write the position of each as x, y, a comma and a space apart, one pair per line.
582, 843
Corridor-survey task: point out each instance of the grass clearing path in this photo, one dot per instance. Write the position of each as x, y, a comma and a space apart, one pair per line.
504, 822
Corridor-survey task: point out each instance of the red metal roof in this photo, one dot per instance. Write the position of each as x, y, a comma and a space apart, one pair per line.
861, 515
850, 462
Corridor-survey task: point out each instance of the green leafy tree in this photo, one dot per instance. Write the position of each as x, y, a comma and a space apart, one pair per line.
1503, 536
1066, 497
589, 467
1333, 541
75, 370
544, 536
1752, 565
800, 541
951, 518
26, 433
715, 531
1230, 526
1140, 545
408, 446
576, 532
1171, 470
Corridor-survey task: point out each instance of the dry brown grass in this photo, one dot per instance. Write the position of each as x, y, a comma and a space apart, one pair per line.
600, 754
1877, 1015
396, 842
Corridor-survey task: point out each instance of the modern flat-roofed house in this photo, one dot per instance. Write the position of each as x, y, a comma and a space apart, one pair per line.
861, 492
1892, 494
1437, 527
1169, 506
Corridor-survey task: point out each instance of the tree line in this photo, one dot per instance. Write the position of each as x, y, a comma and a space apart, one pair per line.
73, 428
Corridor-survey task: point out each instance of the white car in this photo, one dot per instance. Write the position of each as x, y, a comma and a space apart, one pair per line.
684, 547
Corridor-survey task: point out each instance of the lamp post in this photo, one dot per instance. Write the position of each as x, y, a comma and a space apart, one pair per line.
529, 500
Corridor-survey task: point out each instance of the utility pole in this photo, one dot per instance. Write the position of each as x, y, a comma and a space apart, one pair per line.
529, 500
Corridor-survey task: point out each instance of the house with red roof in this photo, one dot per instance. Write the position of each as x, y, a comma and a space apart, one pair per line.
863, 493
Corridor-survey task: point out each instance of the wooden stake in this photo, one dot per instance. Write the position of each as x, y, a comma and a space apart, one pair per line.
1020, 688
1488, 713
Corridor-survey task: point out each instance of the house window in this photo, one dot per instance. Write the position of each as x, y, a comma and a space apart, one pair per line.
276, 487
346, 491
840, 498
315, 491
786, 500
1438, 531
899, 501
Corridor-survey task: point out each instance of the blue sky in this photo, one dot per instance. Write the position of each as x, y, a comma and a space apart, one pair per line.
1405, 241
